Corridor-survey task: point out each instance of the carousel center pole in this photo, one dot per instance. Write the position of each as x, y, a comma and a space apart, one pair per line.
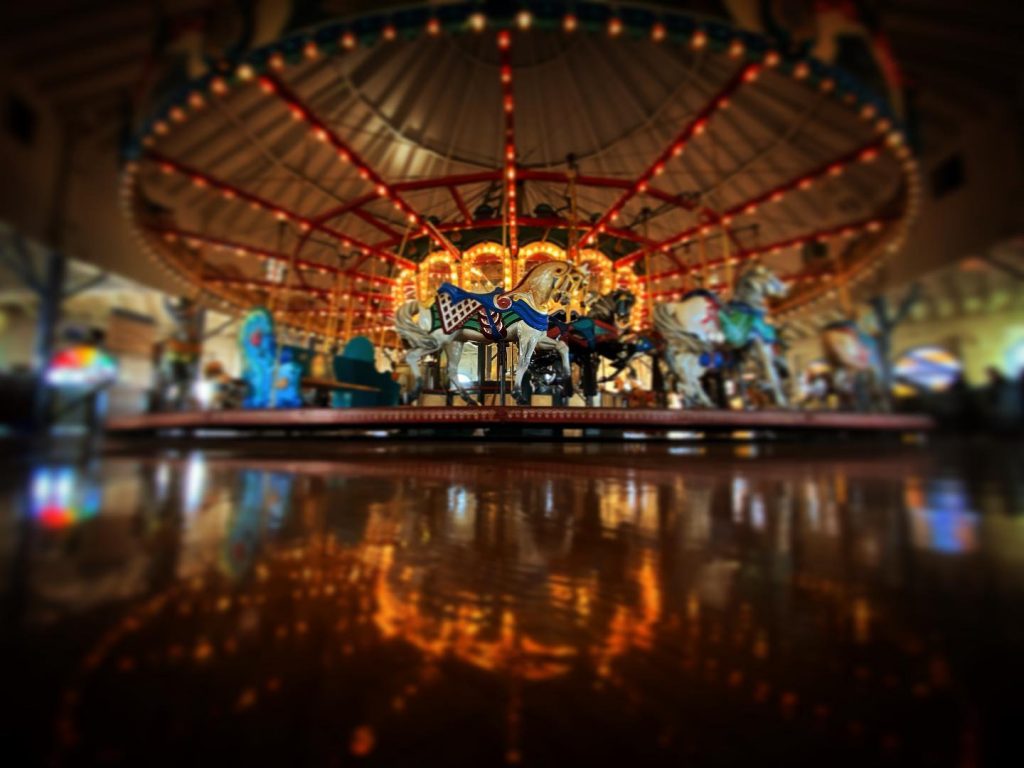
648, 287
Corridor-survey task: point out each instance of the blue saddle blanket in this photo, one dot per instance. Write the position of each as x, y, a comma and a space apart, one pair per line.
459, 305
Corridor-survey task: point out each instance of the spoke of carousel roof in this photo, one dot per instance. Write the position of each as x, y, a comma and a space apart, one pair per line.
812, 148
861, 153
508, 144
376, 223
685, 78
695, 126
526, 221
212, 182
281, 127
467, 216
238, 246
853, 228
329, 160
371, 175
249, 282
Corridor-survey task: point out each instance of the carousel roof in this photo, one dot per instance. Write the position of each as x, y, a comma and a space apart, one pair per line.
379, 154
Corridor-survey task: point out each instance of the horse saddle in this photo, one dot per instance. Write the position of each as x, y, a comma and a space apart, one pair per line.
457, 309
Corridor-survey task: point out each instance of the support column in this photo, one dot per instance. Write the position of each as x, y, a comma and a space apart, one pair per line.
52, 295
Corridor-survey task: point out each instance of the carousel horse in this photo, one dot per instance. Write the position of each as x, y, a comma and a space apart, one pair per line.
856, 365
694, 327
602, 332
517, 315
258, 344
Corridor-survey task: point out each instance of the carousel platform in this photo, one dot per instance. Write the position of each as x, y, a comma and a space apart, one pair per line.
510, 420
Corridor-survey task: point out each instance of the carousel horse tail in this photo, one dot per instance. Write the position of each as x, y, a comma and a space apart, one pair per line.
409, 329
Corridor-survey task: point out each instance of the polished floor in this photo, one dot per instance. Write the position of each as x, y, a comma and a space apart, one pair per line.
494, 604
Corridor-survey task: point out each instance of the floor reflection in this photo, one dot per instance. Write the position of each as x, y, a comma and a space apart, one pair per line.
544, 605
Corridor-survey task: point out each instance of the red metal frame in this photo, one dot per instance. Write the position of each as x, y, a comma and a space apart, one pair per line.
233, 191
865, 153
467, 216
248, 282
346, 153
234, 245
508, 105
524, 221
822, 234
695, 126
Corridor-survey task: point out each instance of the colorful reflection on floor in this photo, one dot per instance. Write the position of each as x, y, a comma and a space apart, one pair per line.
503, 604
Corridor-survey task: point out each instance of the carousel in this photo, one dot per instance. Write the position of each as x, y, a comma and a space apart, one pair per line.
509, 215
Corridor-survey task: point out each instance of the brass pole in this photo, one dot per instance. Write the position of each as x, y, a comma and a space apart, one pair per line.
727, 261
839, 278
648, 299
278, 330
703, 251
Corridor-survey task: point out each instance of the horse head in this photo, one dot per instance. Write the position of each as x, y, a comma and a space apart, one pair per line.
623, 303
555, 281
757, 283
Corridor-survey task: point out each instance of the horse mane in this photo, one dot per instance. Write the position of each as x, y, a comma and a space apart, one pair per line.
841, 325
528, 275
603, 305
704, 293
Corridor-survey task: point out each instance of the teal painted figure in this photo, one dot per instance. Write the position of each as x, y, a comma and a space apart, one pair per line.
258, 345
356, 366
741, 322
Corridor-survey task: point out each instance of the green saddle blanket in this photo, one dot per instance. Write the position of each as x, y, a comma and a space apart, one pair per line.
741, 323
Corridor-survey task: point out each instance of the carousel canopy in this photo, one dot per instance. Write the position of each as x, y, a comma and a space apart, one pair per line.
358, 162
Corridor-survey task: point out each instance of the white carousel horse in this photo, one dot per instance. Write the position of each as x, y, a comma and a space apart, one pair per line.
693, 327
518, 315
